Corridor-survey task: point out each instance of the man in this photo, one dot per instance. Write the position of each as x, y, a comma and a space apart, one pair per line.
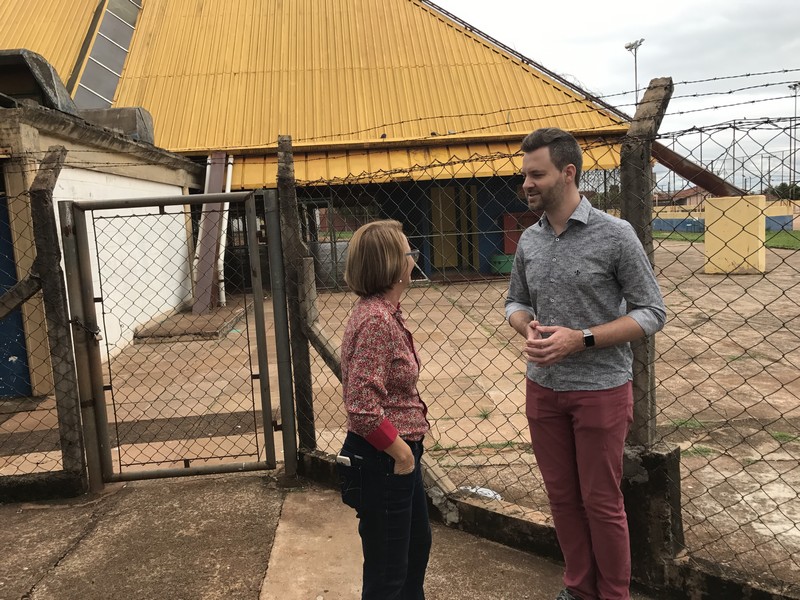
581, 289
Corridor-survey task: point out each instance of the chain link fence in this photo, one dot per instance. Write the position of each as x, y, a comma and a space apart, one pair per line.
29, 437
726, 377
180, 364
41, 442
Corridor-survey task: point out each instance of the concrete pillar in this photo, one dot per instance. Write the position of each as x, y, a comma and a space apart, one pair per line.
735, 234
652, 489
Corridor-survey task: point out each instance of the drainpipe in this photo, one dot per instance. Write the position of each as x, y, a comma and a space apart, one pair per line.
196, 256
223, 235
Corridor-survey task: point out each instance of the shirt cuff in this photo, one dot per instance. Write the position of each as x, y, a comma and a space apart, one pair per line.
513, 307
383, 436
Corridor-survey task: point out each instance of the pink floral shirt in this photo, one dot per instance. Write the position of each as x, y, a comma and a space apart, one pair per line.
380, 369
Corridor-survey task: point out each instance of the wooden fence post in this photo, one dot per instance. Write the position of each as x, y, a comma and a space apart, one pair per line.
294, 252
47, 265
637, 186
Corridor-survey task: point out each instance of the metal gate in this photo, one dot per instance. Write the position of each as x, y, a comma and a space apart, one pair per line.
174, 359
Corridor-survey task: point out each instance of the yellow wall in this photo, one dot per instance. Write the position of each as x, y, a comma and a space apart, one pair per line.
735, 232
773, 208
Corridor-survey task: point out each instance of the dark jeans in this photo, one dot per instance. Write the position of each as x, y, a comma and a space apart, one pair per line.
393, 520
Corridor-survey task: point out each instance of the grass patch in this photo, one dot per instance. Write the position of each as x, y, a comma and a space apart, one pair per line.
484, 413
784, 438
747, 354
482, 446
339, 236
788, 240
677, 236
496, 445
698, 451
688, 423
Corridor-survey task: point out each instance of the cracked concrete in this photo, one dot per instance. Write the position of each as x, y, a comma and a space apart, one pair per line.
234, 537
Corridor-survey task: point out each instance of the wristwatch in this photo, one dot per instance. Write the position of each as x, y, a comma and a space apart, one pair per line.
588, 338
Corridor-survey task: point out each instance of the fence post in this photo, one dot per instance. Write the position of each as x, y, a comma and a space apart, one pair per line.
90, 339
637, 208
294, 251
261, 329
48, 267
651, 483
82, 364
282, 335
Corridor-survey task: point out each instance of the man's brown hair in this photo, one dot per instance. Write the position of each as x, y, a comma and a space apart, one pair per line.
564, 149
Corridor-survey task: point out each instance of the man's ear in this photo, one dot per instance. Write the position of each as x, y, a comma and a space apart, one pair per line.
569, 173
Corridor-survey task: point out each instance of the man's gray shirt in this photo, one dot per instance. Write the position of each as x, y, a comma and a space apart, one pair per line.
585, 277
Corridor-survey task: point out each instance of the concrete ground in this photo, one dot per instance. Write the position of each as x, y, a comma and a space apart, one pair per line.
234, 537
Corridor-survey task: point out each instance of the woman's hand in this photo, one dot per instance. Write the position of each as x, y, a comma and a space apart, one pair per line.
404, 462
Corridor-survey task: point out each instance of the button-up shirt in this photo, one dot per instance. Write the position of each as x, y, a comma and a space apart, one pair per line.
594, 272
380, 369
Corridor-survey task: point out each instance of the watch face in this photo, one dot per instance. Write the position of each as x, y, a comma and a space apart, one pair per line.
588, 338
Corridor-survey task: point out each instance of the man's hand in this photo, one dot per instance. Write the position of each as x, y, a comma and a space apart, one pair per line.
546, 351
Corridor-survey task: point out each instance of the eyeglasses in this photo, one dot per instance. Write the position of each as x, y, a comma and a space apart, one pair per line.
413, 254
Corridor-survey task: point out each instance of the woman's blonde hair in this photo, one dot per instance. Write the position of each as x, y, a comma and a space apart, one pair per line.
376, 258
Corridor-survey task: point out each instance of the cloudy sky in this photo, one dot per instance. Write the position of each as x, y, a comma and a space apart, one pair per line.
686, 39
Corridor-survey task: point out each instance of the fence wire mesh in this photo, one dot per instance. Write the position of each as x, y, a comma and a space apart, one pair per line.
726, 377
29, 431
179, 373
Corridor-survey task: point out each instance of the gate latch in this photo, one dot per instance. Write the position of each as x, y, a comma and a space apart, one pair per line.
95, 333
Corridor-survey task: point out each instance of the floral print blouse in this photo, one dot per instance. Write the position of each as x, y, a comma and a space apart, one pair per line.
380, 369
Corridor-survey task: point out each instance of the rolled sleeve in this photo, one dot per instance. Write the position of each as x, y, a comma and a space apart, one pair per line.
651, 320
639, 285
383, 436
519, 297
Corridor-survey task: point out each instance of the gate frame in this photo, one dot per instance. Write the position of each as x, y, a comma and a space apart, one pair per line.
87, 344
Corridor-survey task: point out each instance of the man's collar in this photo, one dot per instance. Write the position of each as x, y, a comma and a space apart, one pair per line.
580, 214
582, 211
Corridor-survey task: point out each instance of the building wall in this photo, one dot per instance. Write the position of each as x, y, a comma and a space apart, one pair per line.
99, 164
141, 267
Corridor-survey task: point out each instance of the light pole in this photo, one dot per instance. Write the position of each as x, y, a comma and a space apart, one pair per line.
793, 137
633, 48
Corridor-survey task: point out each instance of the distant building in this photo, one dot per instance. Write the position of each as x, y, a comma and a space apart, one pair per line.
690, 197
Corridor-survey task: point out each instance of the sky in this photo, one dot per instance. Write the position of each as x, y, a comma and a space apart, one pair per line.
687, 40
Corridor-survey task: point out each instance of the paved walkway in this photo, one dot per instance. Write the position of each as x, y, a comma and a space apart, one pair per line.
233, 537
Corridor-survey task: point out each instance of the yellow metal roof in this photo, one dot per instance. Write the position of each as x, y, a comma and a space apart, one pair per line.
234, 75
56, 30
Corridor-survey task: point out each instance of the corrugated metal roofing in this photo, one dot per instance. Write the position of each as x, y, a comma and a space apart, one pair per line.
56, 30
399, 164
235, 75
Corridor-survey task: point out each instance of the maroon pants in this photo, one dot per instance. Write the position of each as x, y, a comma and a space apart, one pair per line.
578, 439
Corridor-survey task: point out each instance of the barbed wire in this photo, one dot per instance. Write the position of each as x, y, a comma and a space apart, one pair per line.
600, 131
587, 107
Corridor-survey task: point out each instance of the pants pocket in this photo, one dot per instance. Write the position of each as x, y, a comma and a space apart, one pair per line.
350, 483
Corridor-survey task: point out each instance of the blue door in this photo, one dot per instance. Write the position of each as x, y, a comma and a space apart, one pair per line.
15, 378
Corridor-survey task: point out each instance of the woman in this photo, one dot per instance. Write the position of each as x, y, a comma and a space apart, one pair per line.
379, 463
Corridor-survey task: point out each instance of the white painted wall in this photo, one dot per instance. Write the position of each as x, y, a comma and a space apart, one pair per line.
140, 263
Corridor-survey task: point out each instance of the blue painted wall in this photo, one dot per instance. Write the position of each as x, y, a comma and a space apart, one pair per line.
692, 225
14, 375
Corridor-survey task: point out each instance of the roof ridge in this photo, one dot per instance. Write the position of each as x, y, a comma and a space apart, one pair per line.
524, 59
